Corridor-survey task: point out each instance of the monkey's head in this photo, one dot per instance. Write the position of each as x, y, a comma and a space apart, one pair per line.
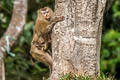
46, 13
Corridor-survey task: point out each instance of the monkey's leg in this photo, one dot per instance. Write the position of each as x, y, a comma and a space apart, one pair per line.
42, 56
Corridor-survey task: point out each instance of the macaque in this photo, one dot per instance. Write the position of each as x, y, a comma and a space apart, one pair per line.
42, 35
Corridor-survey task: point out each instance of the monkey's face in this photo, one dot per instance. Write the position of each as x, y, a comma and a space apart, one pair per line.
47, 13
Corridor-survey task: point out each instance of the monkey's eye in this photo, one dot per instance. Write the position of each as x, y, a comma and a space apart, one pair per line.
38, 11
46, 11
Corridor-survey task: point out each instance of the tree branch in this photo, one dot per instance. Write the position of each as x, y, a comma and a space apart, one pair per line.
14, 30
16, 25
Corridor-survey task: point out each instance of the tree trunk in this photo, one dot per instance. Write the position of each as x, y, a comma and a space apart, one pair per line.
76, 41
14, 30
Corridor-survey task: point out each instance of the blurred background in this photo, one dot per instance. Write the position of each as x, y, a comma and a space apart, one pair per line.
21, 67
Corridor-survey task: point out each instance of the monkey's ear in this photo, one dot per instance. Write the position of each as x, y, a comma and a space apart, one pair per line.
38, 11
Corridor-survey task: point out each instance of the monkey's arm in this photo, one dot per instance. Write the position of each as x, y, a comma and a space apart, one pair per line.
53, 21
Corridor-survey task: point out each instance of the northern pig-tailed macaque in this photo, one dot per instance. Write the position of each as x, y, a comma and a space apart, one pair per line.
42, 34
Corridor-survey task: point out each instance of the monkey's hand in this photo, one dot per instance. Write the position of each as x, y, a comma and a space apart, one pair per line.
56, 19
53, 21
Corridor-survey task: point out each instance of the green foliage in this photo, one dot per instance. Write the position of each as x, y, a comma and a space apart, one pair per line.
20, 68
112, 18
70, 76
116, 9
6, 5
110, 54
5, 14
43, 3
73, 77
27, 34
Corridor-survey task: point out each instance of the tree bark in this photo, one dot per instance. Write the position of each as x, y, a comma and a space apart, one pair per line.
76, 41
14, 30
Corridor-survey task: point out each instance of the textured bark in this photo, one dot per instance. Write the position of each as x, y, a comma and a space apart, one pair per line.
14, 30
76, 41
